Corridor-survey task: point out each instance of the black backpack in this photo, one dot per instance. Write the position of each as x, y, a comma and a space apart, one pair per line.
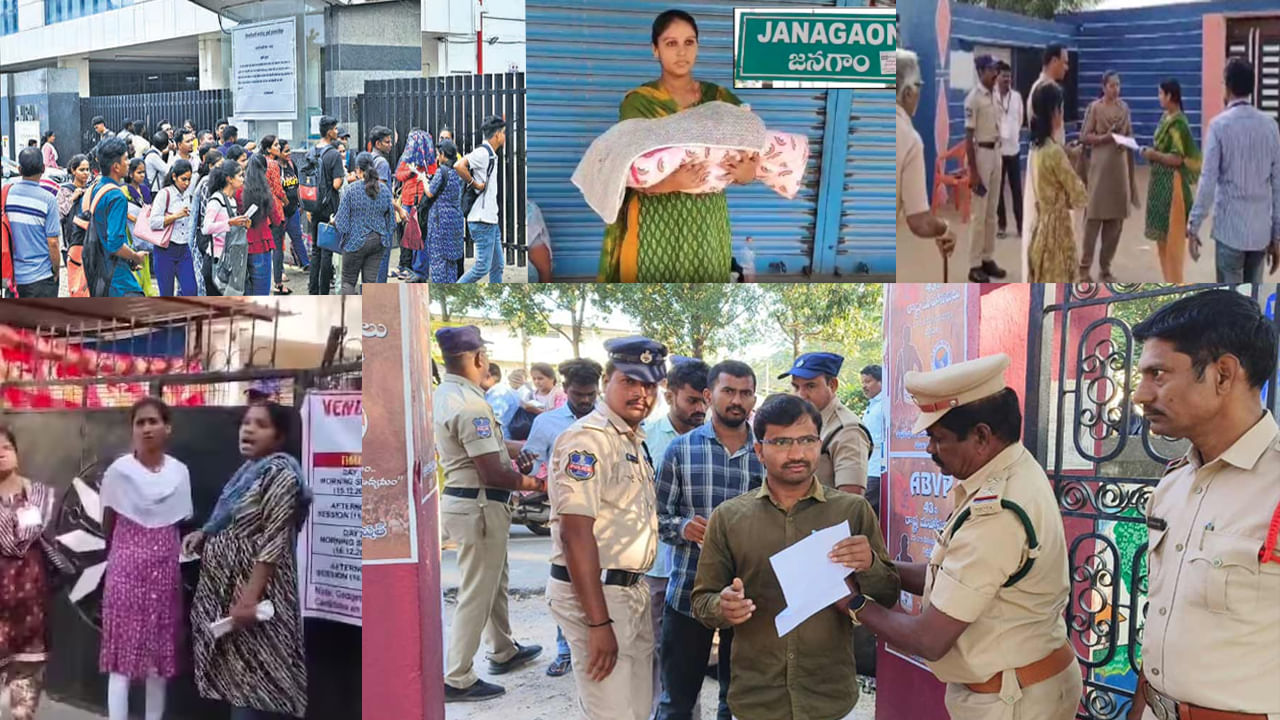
99, 268
310, 180
152, 182
470, 194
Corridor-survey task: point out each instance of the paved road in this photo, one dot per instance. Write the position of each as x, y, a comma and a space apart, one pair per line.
529, 557
510, 273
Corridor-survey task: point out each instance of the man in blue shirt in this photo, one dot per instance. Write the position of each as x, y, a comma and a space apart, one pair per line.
873, 419
111, 221
32, 211
581, 378
1240, 182
686, 403
701, 469
500, 397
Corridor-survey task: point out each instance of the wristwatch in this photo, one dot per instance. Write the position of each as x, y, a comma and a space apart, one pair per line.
858, 602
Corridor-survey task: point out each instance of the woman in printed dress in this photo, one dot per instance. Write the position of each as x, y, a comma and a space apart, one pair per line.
444, 231
145, 495
248, 557
26, 507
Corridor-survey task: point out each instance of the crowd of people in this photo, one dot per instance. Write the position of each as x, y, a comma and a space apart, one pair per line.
247, 553
1236, 178
691, 439
186, 212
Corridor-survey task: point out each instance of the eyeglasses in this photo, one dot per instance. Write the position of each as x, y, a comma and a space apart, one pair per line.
786, 442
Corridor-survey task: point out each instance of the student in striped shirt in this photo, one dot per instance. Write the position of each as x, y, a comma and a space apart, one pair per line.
32, 210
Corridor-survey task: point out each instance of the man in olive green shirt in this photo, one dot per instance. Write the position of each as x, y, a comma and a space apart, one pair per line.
809, 674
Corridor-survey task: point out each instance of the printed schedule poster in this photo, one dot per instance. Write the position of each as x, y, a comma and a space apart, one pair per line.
330, 547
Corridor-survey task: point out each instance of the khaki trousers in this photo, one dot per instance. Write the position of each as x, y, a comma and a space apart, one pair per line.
480, 528
1054, 699
1110, 230
627, 693
982, 228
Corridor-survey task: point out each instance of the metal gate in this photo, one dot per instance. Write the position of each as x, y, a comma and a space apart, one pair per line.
583, 58
1258, 41
1104, 463
203, 107
461, 102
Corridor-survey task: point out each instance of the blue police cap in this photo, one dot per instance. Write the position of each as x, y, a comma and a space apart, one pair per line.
639, 358
982, 62
811, 365
455, 340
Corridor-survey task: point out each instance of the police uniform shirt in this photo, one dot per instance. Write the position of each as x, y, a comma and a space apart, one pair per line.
845, 461
1009, 627
1212, 636
599, 470
982, 116
913, 196
465, 429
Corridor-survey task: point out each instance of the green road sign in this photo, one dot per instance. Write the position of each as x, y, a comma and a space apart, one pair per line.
837, 47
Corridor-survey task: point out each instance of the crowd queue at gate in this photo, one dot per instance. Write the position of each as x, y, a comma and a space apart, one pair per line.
253, 660
710, 492
186, 212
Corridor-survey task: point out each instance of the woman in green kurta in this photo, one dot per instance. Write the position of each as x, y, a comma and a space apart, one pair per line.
1175, 167
662, 234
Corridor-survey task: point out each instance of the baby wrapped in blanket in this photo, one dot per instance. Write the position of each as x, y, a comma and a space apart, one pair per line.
642, 152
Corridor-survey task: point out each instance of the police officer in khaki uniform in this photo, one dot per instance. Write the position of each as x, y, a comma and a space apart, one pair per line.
913, 194
982, 134
474, 514
996, 584
605, 536
1211, 646
846, 444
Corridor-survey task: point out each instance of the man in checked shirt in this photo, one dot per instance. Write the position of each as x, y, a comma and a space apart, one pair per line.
701, 469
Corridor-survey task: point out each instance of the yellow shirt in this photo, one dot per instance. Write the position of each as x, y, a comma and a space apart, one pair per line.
1212, 636
599, 469
913, 195
1008, 626
465, 428
847, 448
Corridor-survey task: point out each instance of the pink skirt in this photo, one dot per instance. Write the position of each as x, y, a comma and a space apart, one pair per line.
142, 616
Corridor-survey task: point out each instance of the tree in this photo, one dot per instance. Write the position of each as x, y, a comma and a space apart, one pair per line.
694, 319
805, 312
1035, 8
459, 299
530, 308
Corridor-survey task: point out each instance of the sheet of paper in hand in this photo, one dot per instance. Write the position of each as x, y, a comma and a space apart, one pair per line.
810, 581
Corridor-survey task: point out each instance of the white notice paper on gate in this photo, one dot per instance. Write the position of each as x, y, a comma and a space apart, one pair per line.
810, 581
331, 543
264, 68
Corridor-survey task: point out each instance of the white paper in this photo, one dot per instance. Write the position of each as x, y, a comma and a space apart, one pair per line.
1125, 141
265, 611
252, 209
284, 129
810, 581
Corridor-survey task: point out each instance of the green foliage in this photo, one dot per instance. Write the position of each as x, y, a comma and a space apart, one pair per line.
693, 319
1046, 9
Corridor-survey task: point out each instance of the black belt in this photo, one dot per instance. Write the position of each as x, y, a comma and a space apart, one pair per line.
473, 493
989, 146
621, 578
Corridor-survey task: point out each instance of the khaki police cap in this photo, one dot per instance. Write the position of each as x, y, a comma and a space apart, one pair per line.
938, 391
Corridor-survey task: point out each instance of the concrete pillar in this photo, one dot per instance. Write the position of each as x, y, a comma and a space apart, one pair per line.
47, 99
215, 62
81, 66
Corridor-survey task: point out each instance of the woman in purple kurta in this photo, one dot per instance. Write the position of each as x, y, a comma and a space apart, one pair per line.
144, 495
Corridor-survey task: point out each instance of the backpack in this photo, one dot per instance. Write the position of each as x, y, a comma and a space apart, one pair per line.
470, 194
199, 198
7, 282
313, 196
73, 232
152, 181
99, 268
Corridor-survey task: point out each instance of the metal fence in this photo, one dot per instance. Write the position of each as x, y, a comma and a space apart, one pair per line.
203, 107
461, 102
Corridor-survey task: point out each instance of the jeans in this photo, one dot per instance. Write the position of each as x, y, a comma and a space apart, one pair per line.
1238, 266
321, 280
562, 645
277, 255
248, 713
364, 261
488, 240
686, 643
258, 279
421, 263
385, 266
171, 264
46, 288
293, 226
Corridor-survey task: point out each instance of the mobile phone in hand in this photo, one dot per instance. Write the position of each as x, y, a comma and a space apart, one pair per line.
980, 191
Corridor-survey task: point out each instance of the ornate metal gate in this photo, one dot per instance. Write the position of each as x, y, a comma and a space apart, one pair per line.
1104, 463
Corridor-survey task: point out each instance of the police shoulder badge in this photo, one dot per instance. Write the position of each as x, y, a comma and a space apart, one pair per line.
581, 465
484, 428
987, 500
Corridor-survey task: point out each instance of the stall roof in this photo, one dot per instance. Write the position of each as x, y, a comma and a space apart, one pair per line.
111, 314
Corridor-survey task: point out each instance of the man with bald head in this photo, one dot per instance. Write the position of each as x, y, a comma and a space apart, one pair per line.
913, 195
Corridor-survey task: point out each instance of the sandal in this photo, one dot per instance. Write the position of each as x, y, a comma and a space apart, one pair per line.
559, 666
282, 290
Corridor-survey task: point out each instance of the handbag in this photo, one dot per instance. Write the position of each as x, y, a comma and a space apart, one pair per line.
327, 238
142, 228
411, 238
